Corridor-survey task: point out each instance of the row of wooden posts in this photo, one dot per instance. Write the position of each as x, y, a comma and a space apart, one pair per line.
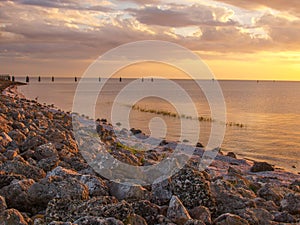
27, 79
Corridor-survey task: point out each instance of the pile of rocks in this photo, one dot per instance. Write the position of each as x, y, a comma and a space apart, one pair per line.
45, 180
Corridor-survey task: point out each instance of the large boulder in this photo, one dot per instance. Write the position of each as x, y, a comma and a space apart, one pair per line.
47, 189
16, 195
23, 168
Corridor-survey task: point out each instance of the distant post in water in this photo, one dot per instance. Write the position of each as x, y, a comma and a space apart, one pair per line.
52, 78
151, 79
120, 79
27, 79
75, 79
39, 79
99, 79
13, 78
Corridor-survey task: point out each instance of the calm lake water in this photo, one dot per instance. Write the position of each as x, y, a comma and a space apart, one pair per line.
269, 112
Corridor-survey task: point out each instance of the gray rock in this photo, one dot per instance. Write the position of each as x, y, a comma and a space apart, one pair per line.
147, 210
124, 191
284, 217
23, 168
42, 192
95, 185
177, 213
46, 151
134, 219
291, 203
228, 200
230, 219
32, 142
194, 222
201, 213
60, 223
273, 193
161, 192
62, 172
16, 195
12, 217
90, 220
193, 188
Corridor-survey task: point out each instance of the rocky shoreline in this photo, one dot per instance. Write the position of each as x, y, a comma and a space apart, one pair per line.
45, 180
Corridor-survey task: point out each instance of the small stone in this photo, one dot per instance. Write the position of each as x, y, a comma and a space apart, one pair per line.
3, 205
231, 155
177, 212
5, 139
134, 219
128, 191
261, 167
230, 219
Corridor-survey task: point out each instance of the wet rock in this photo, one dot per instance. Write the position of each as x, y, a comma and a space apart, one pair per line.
230, 219
123, 191
3, 205
12, 217
23, 168
201, 213
89, 220
134, 219
147, 210
5, 139
261, 167
42, 192
177, 212
284, 217
16, 195
291, 203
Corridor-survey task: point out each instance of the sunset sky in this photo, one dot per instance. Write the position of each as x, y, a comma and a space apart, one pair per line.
238, 39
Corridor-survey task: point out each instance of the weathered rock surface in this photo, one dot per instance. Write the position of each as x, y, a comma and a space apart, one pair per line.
177, 212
